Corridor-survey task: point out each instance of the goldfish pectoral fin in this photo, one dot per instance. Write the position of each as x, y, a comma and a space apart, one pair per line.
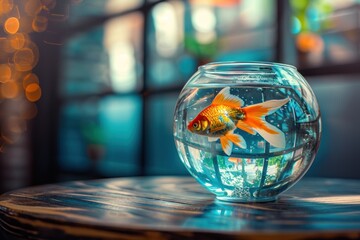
275, 137
225, 98
243, 126
226, 145
236, 139
212, 139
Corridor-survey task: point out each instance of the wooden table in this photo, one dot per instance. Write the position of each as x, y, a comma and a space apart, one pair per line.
178, 208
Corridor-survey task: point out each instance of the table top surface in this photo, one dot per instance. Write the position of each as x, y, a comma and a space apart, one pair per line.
178, 208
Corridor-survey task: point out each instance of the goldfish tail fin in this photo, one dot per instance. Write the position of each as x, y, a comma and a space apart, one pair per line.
272, 135
229, 139
255, 118
225, 98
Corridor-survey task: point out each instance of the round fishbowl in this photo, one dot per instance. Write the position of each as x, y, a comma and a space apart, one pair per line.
247, 131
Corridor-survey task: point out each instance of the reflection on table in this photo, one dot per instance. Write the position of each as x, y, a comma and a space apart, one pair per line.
178, 207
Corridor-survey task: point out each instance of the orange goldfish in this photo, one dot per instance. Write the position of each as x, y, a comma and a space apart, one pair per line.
225, 114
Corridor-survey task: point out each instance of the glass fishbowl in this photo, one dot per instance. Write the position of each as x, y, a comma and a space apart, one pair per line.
247, 131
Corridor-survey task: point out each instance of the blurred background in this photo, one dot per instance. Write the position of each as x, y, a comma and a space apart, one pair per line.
88, 87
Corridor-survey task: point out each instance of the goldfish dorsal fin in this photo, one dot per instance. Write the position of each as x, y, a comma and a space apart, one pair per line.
225, 98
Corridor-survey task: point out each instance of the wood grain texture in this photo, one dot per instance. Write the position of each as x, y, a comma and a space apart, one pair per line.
178, 208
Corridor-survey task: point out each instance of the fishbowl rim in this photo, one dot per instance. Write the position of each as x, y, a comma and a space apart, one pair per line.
211, 66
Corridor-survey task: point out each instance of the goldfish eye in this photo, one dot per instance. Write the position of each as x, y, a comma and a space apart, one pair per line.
196, 125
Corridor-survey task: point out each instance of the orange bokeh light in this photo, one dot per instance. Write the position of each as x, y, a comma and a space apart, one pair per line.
307, 42
26, 58
29, 79
33, 92
12, 25
29, 110
18, 56
6, 6
18, 41
39, 24
33, 7
9, 89
5, 73
5, 47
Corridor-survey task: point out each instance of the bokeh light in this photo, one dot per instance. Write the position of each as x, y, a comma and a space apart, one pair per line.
218, 3
307, 42
33, 92
6, 47
6, 6
19, 87
18, 40
299, 5
296, 25
33, 7
39, 23
11, 25
9, 89
5, 73
29, 79
26, 58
